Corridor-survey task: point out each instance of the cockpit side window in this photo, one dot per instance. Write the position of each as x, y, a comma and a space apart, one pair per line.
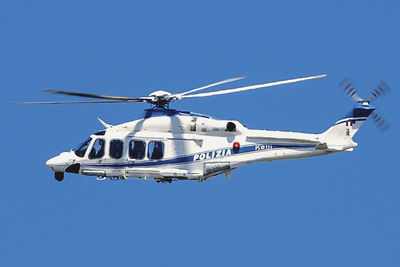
156, 150
97, 149
136, 149
116, 148
81, 150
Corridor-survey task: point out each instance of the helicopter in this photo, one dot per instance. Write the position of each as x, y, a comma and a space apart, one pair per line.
172, 145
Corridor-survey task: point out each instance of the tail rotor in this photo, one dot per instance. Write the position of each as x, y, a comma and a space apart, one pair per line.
350, 90
380, 122
381, 89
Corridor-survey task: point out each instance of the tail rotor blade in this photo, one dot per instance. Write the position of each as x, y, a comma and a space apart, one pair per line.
381, 89
380, 122
349, 89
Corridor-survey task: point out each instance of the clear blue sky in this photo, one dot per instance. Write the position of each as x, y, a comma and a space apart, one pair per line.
337, 210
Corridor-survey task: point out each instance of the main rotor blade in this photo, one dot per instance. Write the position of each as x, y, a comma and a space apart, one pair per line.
95, 95
210, 85
381, 89
349, 89
253, 87
74, 102
380, 121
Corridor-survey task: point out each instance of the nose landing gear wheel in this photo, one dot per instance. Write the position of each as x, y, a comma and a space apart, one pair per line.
59, 176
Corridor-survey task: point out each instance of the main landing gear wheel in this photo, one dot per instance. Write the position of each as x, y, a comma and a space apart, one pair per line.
59, 176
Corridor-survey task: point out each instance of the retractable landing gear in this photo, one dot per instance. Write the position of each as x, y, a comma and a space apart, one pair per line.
59, 176
164, 180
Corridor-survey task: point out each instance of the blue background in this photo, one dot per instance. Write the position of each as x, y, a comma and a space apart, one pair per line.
338, 210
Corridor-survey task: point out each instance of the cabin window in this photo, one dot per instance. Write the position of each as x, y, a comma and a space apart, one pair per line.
97, 149
116, 148
156, 150
136, 149
193, 124
81, 150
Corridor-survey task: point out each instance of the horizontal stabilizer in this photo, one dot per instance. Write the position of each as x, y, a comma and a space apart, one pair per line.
278, 136
336, 148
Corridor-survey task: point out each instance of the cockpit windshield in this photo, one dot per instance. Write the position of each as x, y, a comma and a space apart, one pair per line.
81, 150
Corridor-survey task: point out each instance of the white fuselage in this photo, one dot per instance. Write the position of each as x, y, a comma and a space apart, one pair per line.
194, 147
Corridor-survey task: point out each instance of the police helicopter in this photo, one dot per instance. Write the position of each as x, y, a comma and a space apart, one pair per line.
170, 145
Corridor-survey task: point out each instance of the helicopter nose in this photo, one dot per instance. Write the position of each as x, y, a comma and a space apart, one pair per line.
51, 163
54, 163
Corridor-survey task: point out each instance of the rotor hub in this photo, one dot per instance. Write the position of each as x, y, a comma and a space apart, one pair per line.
160, 94
160, 98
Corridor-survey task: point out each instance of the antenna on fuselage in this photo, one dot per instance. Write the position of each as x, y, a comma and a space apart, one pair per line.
105, 124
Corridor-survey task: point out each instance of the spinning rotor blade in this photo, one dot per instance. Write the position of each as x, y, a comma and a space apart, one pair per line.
210, 85
252, 87
137, 99
348, 87
75, 102
162, 98
380, 121
381, 89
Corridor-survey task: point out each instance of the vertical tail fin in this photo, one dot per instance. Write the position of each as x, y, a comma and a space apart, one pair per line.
339, 136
